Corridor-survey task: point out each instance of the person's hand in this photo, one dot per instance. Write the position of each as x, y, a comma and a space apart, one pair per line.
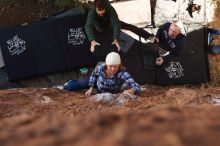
93, 44
154, 39
159, 60
128, 92
116, 43
89, 92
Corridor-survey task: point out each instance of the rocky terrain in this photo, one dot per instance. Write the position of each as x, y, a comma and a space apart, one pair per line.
186, 115
165, 116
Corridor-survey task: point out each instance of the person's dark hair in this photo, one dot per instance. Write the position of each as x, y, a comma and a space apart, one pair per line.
101, 4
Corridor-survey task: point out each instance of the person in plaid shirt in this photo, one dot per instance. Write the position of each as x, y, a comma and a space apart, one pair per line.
109, 76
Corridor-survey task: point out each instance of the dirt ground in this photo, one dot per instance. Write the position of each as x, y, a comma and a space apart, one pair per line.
24, 11
160, 116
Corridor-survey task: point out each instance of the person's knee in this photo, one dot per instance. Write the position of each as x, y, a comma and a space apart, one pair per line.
84, 83
72, 85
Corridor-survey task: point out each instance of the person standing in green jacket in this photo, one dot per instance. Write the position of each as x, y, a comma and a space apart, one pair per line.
102, 17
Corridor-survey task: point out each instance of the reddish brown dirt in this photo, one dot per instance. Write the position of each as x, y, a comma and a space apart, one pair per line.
160, 116
24, 11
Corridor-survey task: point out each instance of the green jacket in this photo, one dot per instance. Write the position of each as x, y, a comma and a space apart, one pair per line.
94, 21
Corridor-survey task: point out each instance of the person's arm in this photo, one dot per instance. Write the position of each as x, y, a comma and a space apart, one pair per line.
156, 38
89, 92
90, 22
116, 43
94, 75
114, 20
93, 78
159, 32
89, 29
93, 44
115, 23
175, 51
92, 83
129, 91
135, 87
161, 29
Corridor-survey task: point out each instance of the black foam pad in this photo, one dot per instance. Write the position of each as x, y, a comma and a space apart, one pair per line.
133, 62
47, 47
74, 41
149, 54
19, 57
191, 66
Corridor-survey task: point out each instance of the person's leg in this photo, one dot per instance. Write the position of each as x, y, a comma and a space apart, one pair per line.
215, 49
139, 31
214, 31
84, 83
74, 85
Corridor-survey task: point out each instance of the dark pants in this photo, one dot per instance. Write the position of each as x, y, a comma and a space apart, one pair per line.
215, 49
74, 85
107, 30
138, 31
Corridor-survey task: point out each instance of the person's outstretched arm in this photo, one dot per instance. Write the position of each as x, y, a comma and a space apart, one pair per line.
134, 87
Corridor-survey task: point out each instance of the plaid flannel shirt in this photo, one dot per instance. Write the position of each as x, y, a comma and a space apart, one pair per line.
113, 84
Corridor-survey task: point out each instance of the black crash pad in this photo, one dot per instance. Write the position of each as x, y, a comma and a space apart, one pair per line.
133, 62
45, 47
191, 66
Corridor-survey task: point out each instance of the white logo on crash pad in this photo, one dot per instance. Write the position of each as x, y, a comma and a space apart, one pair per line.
76, 36
16, 45
175, 70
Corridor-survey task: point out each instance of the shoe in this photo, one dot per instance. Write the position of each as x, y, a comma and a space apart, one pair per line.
61, 87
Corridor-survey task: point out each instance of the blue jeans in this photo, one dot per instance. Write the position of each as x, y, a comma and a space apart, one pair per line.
73, 85
212, 32
215, 49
